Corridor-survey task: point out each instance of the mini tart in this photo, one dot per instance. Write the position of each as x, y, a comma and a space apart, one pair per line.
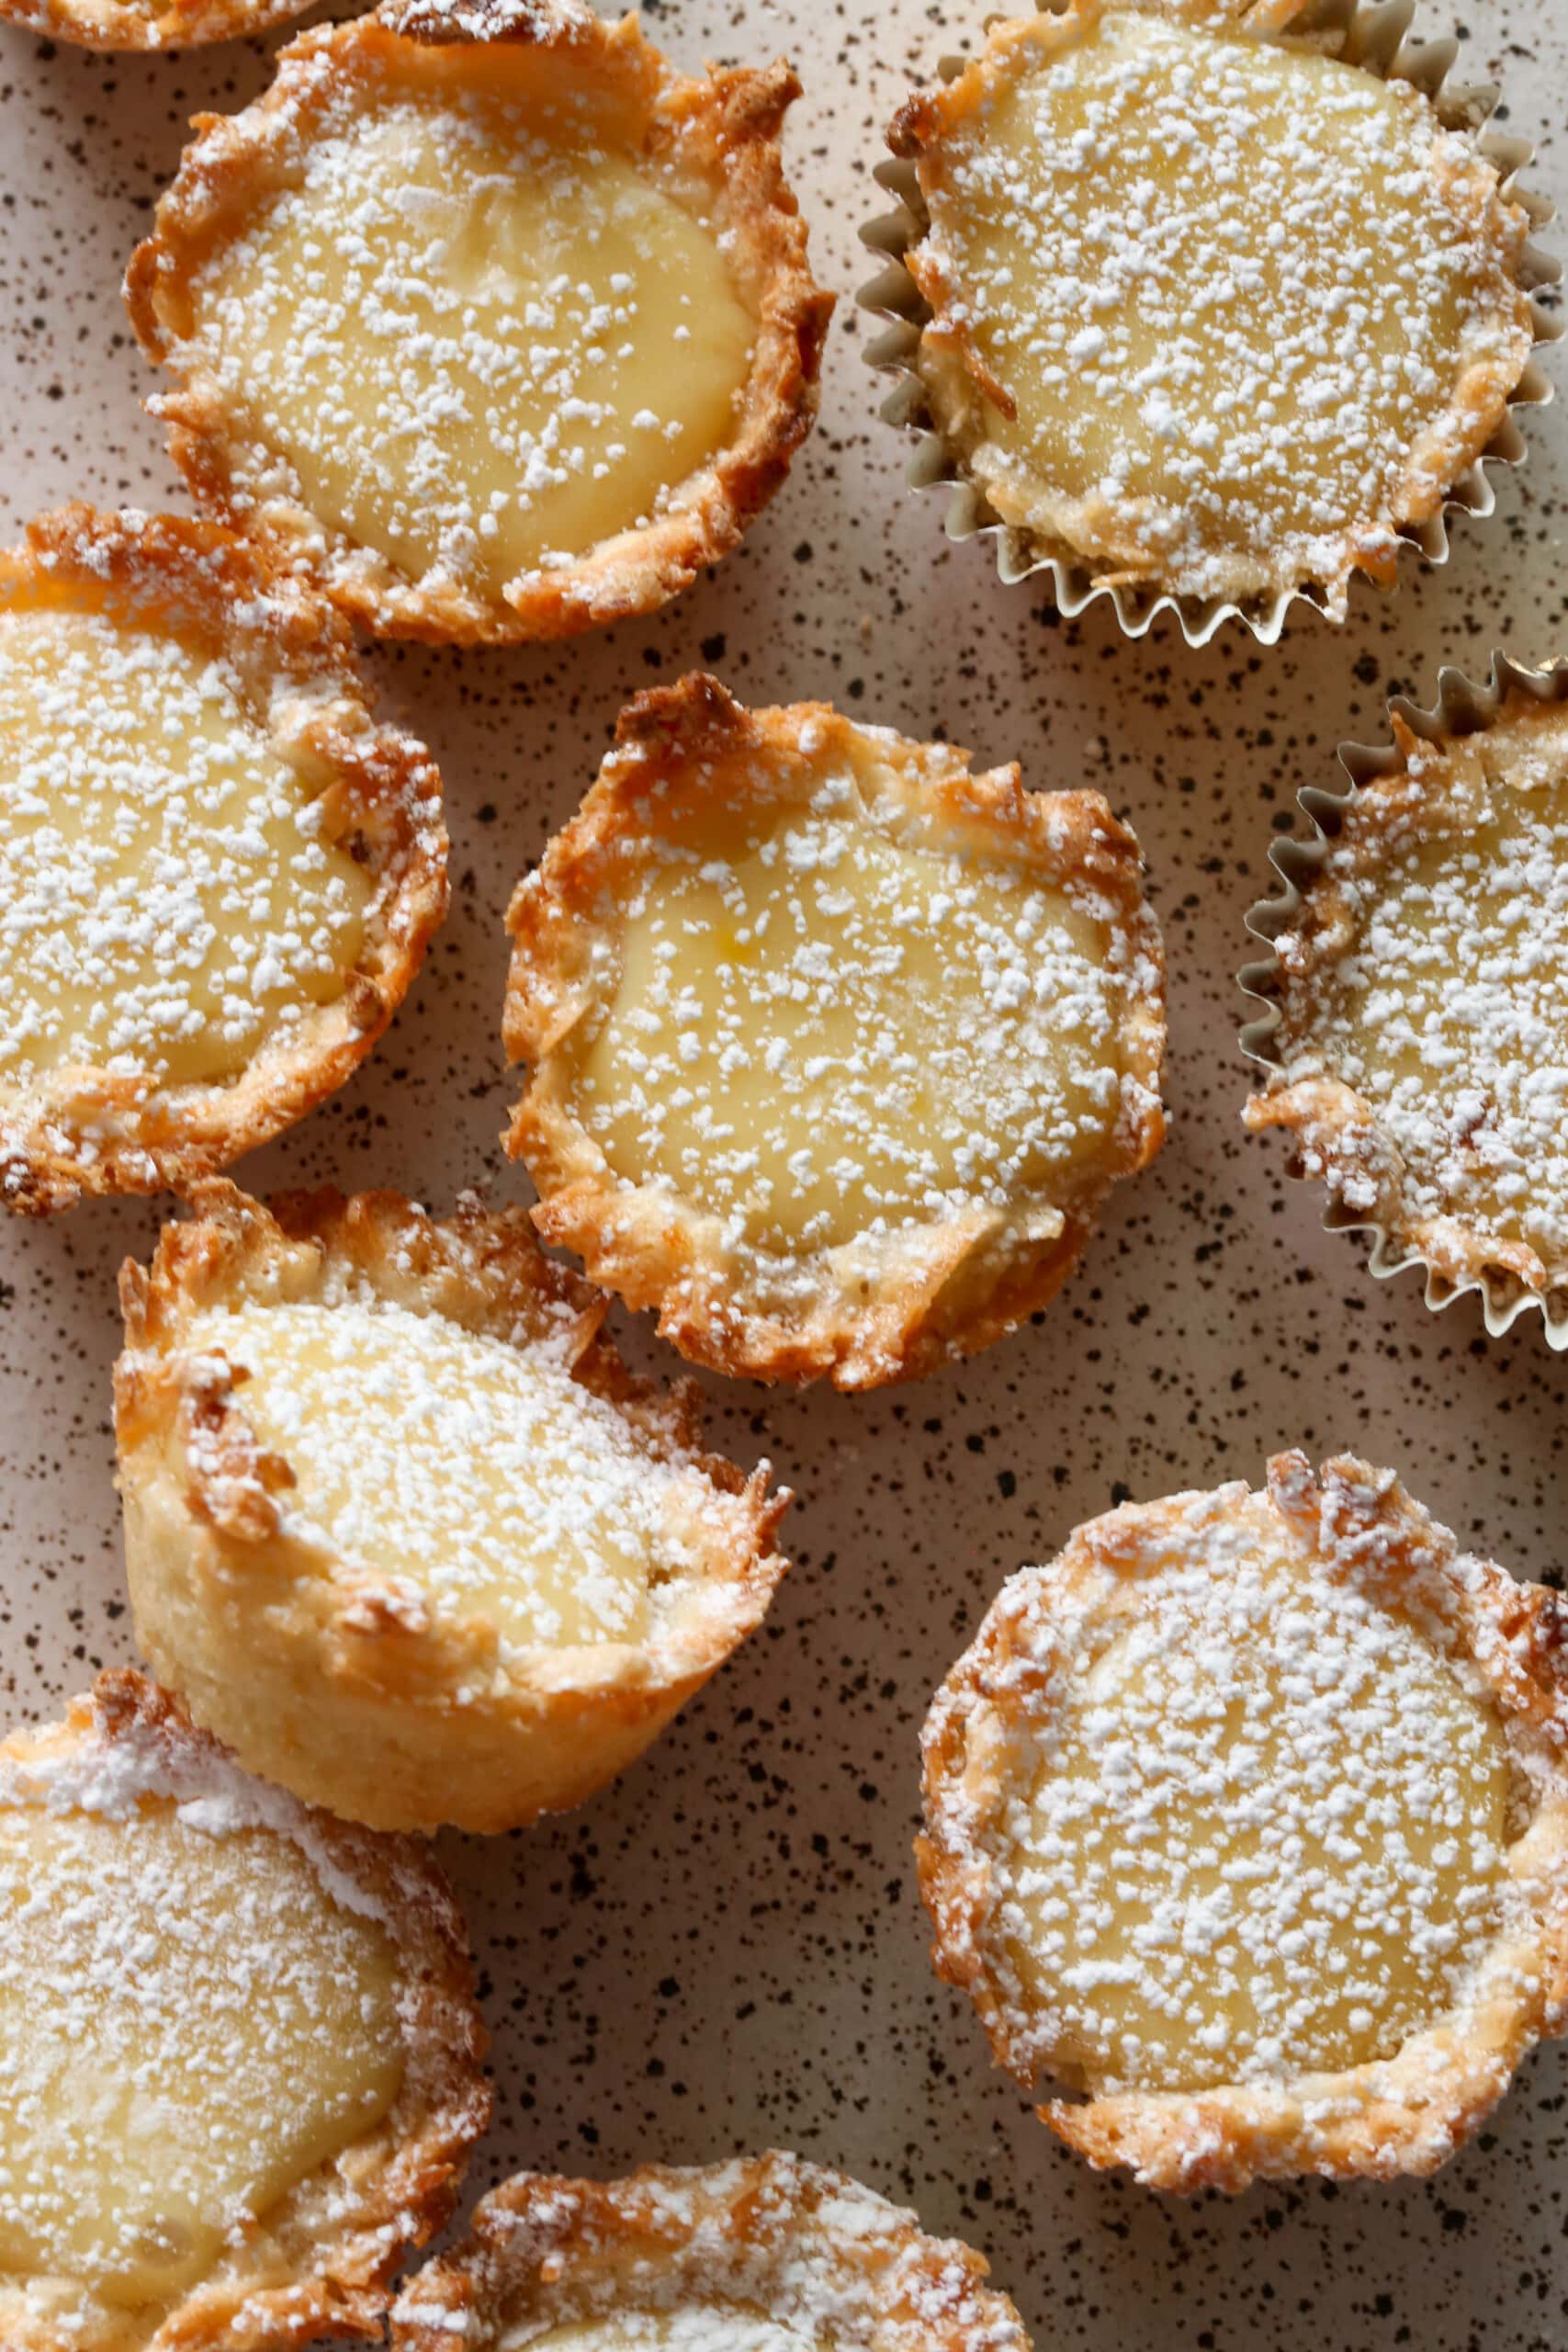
763, 2255
541, 397
149, 24
242, 2061
1420, 1033
1246, 1818
836, 1048
400, 1525
1210, 303
219, 873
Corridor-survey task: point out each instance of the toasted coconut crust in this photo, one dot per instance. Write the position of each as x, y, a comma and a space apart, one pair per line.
332, 1677
80, 1130
885, 1309
1123, 545
1402, 2115
1338, 1134
788, 2240
321, 2260
122, 24
720, 133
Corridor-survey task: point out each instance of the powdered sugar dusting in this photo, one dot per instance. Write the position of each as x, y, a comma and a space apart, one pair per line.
114, 1778
1438, 994
167, 898
1222, 292
486, 19
762, 2255
1253, 1824
720, 2328
469, 1475
193, 2020
834, 1027
474, 335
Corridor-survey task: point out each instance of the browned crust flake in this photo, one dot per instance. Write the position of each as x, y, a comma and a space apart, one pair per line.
720, 130
80, 1130
324, 2260
887, 1313
758, 2231
323, 1673
1406, 2114
1119, 544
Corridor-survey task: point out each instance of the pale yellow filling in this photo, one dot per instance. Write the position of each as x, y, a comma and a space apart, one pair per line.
480, 345
821, 1029
189, 2024
1446, 1008
1266, 1835
711, 2327
478, 1473
168, 899
1218, 289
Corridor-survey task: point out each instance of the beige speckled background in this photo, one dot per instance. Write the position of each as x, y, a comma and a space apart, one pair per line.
727, 1950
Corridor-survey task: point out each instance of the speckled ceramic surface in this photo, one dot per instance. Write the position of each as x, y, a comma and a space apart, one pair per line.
727, 1949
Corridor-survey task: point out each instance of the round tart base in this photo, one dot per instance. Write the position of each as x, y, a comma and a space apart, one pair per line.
354, 1684
1503, 1642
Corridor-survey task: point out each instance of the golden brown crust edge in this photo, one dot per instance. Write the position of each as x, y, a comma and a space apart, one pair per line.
724, 127
323, 1675
540, 2245
1130, 559
1400, 2116
1336, 1134
83, 1131
944, 1289
119, 25
306, 2271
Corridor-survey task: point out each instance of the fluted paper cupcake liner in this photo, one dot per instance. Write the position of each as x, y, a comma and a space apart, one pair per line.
1372, 33
1463, 707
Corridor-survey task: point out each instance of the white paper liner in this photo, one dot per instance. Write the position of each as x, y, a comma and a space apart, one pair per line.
1463, 707
1370, 33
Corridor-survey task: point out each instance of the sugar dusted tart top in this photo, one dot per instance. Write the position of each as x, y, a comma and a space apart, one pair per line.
1213, 308
485, 318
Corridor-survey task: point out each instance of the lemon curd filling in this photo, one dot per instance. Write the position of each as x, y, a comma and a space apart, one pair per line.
168, 901
1218, 289
1262, 1835
822, 1029
191, 2024
1446, 1008
712, 2327
484, 1477
481, 341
